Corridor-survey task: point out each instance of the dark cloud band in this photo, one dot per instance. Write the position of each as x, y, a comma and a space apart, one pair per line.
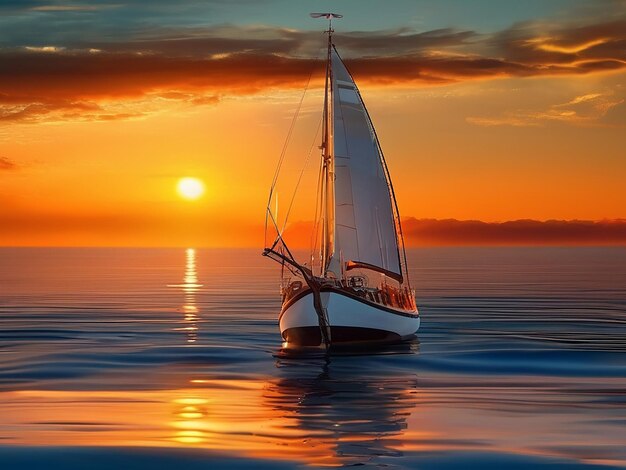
230, 60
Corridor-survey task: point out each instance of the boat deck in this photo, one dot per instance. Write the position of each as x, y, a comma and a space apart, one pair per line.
384, 295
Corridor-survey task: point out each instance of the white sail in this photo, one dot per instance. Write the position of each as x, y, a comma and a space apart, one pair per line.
364, 227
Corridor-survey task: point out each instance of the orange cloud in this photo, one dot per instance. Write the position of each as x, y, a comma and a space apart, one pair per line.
547, 46
70, 85
592, 109
32, 76
7, 164
75, 76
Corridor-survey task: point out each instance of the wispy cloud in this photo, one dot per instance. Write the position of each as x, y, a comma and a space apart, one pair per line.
44, 48
591, 109
71, 7
7, 164
54, 110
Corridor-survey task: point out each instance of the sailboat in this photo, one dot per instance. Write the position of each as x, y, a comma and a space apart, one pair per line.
358, 291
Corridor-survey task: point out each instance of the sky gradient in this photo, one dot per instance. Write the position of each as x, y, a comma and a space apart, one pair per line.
486, 111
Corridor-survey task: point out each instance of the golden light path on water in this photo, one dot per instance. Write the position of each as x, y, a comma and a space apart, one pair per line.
190, 287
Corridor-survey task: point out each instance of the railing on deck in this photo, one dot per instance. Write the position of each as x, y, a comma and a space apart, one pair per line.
385, 295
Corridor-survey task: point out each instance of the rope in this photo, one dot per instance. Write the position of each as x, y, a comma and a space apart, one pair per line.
304, 167
284, 150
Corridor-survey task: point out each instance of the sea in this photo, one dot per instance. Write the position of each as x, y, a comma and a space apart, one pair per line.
114, 358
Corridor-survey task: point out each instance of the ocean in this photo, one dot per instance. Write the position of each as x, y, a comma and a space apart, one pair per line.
164, 358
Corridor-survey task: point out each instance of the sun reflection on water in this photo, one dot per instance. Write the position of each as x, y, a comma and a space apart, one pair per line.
190, 410
190, 287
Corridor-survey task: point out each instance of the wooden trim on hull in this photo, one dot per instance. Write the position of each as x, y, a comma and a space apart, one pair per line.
347, 335
305, 292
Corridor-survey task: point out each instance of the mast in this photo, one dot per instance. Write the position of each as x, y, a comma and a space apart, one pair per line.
328, 164
328, 200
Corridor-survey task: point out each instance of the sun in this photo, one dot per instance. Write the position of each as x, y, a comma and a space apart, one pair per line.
190, 188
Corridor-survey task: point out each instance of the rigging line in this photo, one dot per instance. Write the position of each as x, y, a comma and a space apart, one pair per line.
304, 167
287, 140
271, 216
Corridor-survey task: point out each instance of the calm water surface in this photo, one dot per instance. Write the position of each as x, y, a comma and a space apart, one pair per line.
153, 358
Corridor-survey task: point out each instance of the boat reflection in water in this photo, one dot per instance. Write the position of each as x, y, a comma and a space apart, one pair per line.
346, 412
312, 412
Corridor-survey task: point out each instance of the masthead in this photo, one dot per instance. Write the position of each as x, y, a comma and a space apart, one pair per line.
329, 16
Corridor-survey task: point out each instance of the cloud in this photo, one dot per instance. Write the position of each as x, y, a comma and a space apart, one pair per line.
83, 6
78, 75
615, 116
227, 60
518, 232
6, 164
44, 48
54, 8
224, 39
117, 75
22, 110
79, 83
33, 111
591, 109
546, 43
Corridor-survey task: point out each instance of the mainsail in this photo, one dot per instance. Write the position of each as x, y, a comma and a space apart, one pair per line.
360, 223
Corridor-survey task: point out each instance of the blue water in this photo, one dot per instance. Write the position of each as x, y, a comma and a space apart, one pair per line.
151, 358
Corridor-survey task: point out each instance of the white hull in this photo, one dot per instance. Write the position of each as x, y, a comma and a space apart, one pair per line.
350, 320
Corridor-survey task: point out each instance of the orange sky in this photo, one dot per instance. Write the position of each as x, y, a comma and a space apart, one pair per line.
92, 142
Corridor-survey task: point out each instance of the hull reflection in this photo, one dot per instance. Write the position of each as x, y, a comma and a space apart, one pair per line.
344, 408
294, 351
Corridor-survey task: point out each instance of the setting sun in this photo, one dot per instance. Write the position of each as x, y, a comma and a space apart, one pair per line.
190, 188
